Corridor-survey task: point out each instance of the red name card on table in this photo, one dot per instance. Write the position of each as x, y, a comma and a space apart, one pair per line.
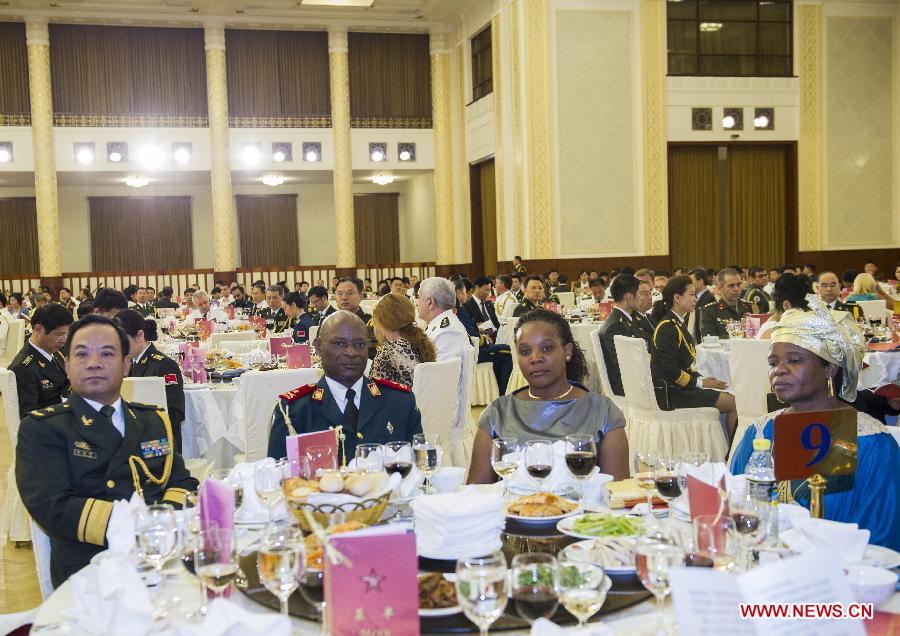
259, 325
229, 311
204, 328
299, 357
297, 445
815, 442
277, 345
703, 498
377, 593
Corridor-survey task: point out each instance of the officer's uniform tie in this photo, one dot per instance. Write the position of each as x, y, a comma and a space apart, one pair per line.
107, 412
351, 413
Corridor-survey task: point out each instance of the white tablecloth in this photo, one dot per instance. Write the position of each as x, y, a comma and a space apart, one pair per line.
213, 424
712, 362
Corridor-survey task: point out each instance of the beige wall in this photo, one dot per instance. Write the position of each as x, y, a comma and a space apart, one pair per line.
417, 235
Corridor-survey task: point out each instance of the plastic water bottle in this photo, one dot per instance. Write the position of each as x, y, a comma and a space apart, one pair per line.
760, 474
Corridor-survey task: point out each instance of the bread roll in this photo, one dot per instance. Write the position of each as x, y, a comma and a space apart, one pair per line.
379, 482
358, 485
331, 482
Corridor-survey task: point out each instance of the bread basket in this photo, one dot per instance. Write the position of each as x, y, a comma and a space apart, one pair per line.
366, 511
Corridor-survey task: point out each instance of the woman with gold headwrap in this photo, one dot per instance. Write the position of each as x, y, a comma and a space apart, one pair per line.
814, 364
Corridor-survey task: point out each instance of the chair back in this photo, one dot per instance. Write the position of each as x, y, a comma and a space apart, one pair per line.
232, 336
634, 363
873, 309
748, 362
436, 386
15, 340
566, 299
40, 543
313, 332
10, 397
601, 363
148, 390
13, 516
259, 395
243, 346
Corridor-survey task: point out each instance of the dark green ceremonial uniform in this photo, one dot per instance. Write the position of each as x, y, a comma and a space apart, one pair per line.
756, 295
644, 325
72, 464
276, 321
519, 269
387, 413
524, 307
672, 355
713, 317
144, 310
519, 295
39, 382
155, 364
618, 323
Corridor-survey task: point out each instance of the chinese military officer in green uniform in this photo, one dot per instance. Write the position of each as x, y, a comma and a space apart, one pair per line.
620, 322
534, 295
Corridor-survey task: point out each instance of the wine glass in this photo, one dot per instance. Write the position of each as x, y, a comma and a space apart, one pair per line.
667, 478
321, 458
713, 544
535, 578
369, 458
232, 479
539, 460
267, 479
583, 587
280, 562
751, 520
398, 458
653, 561
428, 451
505, 455
157, 538
481, 587
581, 456
644, 463
215, 561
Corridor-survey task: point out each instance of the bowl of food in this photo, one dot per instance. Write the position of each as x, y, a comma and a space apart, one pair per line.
437, 595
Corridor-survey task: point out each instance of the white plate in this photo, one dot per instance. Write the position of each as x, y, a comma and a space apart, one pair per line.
571, 552
880, 557
444, 611
541, 521
567, 526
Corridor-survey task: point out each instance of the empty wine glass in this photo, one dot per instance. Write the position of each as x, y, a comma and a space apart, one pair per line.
539, 460
505, 455
481, 587
583, 587
215, 561
369, 458
321, 458
535, 578
267, 480
280, 562
653, 561
428, 453
157, 539
642, 470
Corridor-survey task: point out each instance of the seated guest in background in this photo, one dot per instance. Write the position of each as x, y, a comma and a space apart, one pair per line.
436, 302
563, 284
533, 295
131, 294
216, 295
148, 362
516, 288
479, 306
348, 295
814, 363
240, 300
620, 322
74, 460
865, 287
809, 270
484, 325
790, 293
897, 273
151, 295
847, 279
367, 286
187, 297
584, 282
554, 404
871, 268
203, 309
109, 302
643, 317
700, 279
647, 275
37, 301
258, 296
321, 283
552, 281
411, 286
672, 357
319, 306
300, 321
397, 287
713, 318
755, 292
829, 291
39, 366
15, 309
84, 294
506, 299
659, 281
276, 320
597, 289
368, 410
165, 299
770, 285
334, 284
141, 305
85, 307
65, 298
304, 287
402, 344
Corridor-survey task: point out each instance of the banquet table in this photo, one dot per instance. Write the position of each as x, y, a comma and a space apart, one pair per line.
213, 423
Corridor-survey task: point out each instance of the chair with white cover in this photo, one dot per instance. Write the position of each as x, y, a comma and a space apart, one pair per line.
516, 379
313, 333
243, 346
435, 385
566, 299
485, 389
40, 543
650, 429
749, 366
233, 336
146, 390
873, 309
15, 340
618, 400
259, 395
13, 516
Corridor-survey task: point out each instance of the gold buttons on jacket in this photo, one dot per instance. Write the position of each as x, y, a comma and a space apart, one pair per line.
110, 484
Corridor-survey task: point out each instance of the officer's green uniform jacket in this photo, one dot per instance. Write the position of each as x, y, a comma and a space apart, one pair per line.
643, 325
756, 295
155, 364
524, 307
39, 382
618, 323
713, 317
72, 464
387, 413
276, 321
301, 325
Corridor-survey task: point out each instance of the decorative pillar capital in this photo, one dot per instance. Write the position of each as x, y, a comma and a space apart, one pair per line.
37, 32
214, 36
337, 40
437, 41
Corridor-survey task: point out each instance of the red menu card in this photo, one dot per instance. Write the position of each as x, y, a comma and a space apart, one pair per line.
703, 498
259, 325
299, 357
378, 593
229, 311
204, 328
277, 345
297, 445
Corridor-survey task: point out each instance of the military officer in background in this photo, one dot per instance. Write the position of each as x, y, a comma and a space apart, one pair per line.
300, 320
276, 319
366, 410
829, 290
517, 290
148, 362
519, 266
533, 295
730, 306
436, 303
258, 297
620, 322
755, 292
74, 460
39, 366
65, 298
641, 317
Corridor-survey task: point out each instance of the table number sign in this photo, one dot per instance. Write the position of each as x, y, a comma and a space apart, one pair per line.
299, 357
277, 345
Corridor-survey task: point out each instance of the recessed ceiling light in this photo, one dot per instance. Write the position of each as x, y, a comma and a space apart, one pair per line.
137, 181
273, 180
181, 153
383, 179
84, 153
312, 151
250, 153
728, 122
6, 151
377, 152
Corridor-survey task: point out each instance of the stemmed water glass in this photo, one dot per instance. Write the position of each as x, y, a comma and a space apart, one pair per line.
653, 561
481, 587
398, 458
215, 561
267, 480
751, 521
642, 469
157, 538
583, 588
369, 458
535, 578
539, 460
280, 562
505, 455
428, 452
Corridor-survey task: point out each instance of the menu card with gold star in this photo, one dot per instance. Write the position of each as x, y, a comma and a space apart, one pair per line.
375, 590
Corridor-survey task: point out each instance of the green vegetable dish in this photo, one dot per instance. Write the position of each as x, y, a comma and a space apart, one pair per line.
606, 525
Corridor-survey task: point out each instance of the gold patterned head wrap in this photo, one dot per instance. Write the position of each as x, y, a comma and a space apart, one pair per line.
831, 335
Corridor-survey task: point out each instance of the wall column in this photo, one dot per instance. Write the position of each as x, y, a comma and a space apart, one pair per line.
220, 172
809, 146
443, 149
653, 88
38, 40
339, 72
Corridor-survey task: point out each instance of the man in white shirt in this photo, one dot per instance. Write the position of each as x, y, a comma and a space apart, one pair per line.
258, 295
506, 300
437, 299
203, 309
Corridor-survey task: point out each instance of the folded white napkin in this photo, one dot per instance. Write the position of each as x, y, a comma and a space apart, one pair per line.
844, 539
120, 529
253, 510
110, 598
787, 513
462, 523
410, 485
227, 618
544, 627
560, 481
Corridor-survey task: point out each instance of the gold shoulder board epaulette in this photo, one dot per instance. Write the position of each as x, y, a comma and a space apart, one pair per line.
299, 392
158, 356
48, 411
142, 405
27, 360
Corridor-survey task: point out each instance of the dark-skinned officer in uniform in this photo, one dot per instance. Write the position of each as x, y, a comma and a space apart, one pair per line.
148, 362
534, 295
730, 306
300, 320
620, 322
367, 410
39, 366
74, 460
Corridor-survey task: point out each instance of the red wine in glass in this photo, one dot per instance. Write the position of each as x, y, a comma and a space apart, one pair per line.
745, 523
581, 463
535, 603
667, 486
398, 467
539, 471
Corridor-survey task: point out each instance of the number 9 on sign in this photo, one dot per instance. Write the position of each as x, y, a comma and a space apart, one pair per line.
816, 437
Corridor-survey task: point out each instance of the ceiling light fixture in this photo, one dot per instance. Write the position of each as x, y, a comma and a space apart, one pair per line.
250, 153
273, 180
728, 122
282, 151
406, 151
150, 156
378, 152
710, 27
6, 151
84, 153
383, 179
182, 152
312, 151
116, 151
137, 181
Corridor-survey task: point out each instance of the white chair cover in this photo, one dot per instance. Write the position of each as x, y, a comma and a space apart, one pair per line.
40, 543
313, 332
259, 394
484, 389
435, 385
147, 390
873, 309
232, 336
650, 428
11, 622
618, 400
748, 362
15, 340
566, 299
13, 516
243, 346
